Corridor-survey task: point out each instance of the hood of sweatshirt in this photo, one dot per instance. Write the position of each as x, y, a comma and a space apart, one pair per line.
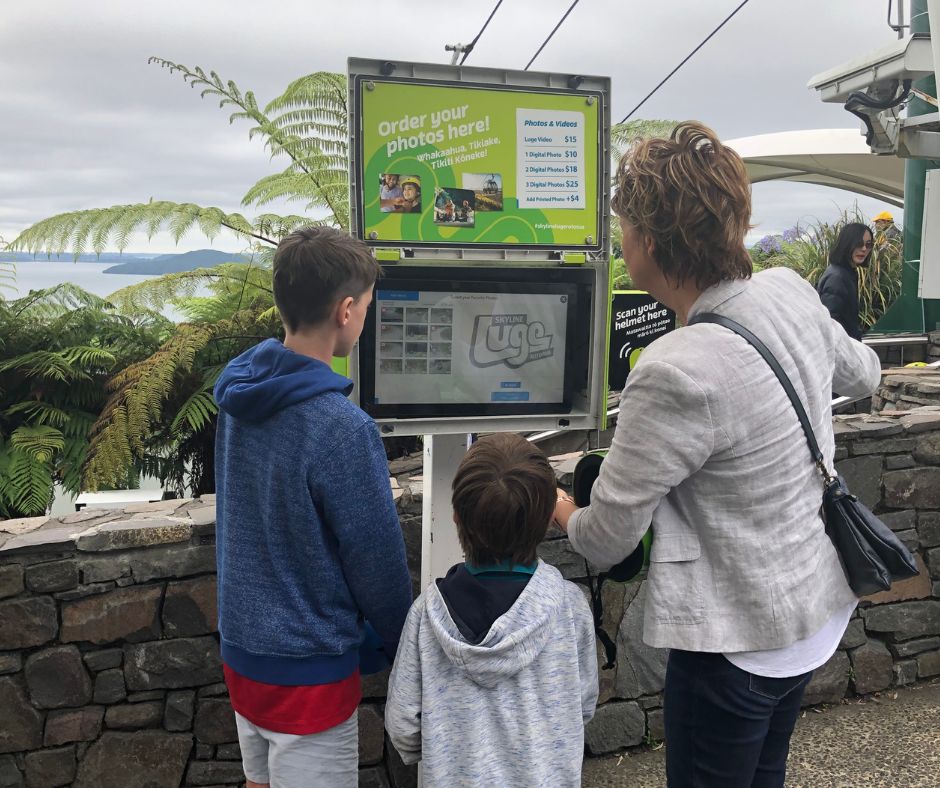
269, 377
515, 639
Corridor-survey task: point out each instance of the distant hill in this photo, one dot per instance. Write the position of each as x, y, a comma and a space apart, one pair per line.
104, 257
174, 263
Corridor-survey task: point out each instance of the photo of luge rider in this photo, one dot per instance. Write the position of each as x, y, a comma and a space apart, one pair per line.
399, 193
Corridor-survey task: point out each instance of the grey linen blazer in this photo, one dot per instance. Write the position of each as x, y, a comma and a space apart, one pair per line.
709, 450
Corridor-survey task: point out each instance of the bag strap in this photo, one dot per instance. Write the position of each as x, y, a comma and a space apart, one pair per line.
760, 347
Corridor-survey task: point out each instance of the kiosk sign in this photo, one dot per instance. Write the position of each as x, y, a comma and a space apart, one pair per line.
471, 166
636, 320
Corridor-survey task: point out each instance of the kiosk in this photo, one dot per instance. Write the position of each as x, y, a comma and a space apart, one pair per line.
484, 194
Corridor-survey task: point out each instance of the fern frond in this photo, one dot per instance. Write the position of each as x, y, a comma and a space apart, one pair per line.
26, 484
40, 413
196, 412
40, 442
43, 364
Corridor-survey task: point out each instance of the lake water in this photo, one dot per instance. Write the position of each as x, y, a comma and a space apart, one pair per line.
39, 274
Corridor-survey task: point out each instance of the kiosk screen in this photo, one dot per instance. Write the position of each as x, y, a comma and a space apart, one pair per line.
468, 348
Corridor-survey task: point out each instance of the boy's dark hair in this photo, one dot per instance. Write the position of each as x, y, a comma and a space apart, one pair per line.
314, 267
503, 498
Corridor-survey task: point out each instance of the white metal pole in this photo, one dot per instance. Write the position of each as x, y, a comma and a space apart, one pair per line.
440, 548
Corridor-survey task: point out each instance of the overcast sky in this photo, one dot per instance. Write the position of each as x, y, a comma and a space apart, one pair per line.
86, 122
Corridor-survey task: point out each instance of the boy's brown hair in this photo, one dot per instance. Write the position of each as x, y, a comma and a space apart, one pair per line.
503, 499
314, 267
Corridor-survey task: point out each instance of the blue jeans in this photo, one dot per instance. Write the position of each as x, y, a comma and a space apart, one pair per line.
725, 727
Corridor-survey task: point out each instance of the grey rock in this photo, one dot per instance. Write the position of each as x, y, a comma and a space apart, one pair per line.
71, 725
933, 562
190, 608
25, 623
906, 620
81, 592
109, 686
895, 462
175, 561
562, 556
57, 678
178, 715
371, 735
11, 580
50, 768
899, 521
911, 647
829, 682
214, 773
213, 690
128, 534
132, 716
172, 664
373, 778
914, 487
228, 752
615, 726
22, 724
928, 664
204, 752
52, 576
143, 697
641, 669
877, 428
927, 449
215, 722
910, 539
872, 667
102, 568
103, 659
10, 775
928, 527
655, 725
905, 672
10, 662
202, 516
886, 446
854, 635
45, 540
124, 614
149, 759
863, 477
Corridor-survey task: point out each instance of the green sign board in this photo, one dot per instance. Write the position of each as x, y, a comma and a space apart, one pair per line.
477, 166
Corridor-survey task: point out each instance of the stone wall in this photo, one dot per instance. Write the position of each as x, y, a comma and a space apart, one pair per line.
907, 389
109, 664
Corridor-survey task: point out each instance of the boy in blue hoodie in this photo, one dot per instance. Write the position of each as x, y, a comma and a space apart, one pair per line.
308, 539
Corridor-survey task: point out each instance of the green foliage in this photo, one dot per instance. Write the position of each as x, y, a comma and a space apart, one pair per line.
806, 251
58, 348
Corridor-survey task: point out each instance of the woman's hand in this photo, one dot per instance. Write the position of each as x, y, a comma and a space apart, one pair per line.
564, 508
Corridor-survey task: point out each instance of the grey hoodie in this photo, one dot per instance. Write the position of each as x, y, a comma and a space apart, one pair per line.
509, 711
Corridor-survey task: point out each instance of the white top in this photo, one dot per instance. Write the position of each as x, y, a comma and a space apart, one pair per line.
799, 657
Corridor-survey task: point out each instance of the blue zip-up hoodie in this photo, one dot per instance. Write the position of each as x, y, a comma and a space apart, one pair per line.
308, 539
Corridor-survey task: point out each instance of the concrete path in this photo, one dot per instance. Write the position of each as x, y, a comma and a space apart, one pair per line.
892, 741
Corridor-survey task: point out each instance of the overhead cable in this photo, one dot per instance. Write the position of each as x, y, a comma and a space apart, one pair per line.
684, 61
469, 48
554, 30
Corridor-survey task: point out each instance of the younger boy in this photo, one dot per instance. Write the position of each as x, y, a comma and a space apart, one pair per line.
308, 540
496, 673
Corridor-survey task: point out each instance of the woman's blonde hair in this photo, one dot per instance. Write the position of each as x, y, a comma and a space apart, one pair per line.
691, 195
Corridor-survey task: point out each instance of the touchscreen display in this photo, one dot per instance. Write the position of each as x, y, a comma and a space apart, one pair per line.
440, 347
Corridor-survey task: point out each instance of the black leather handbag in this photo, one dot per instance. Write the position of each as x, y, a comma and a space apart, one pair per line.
872, 555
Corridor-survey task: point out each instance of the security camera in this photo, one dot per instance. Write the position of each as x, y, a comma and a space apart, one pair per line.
874, 73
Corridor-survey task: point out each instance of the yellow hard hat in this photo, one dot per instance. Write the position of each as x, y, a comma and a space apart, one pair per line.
916, 364
412, 179
884, 216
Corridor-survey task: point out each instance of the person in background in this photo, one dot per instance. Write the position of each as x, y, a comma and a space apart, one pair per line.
389, 192
838, 285
744, 587
496, 674
308, 538
885, 228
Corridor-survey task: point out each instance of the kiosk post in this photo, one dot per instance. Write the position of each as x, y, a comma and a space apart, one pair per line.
440, 548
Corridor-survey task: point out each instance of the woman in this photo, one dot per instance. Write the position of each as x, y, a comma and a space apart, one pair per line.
744, 586
838, 285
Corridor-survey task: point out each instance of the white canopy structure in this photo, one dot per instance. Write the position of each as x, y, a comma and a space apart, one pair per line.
829, 157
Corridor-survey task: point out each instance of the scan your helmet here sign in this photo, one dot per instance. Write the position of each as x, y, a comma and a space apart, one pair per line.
477, 166
636, 320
